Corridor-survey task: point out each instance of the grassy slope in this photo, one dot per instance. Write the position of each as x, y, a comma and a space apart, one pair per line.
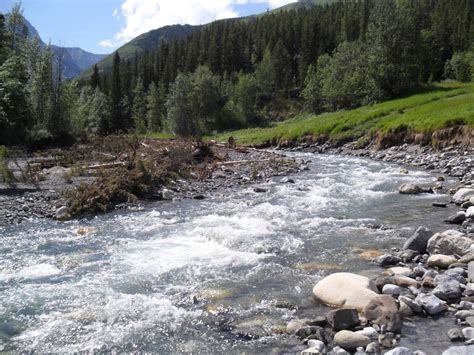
444, 105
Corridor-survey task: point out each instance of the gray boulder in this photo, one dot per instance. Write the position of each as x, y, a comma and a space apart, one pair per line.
458, 218
410, 189
399, 351
431, 304
343, 319
463, 195
448, 291
419, 240
449, 242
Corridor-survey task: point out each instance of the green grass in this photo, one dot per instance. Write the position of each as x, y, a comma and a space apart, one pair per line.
159, 135
440, 106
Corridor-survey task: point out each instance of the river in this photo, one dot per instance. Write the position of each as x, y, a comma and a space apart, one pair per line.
222, 274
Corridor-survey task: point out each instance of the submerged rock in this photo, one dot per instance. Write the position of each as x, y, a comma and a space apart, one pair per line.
345, 289
410, 189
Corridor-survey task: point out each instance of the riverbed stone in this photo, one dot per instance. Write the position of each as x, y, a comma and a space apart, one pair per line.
470, 212
350, 340
373, 348
441, 261
387, 260
467, 258
399, 271
392, 290
405, 310
455, 334
62, 213
448, 291
463, 195
317, 344
462, 315
369, 332
450, 242
470, 321
457, 218
339, 351
460, 350
410, 189
294, 325
470, 272
468, 333
383, 311
404, 281
313, 331
431, 304
345, 289
343, 319
417, 308
311, 351
400, 350
419, 240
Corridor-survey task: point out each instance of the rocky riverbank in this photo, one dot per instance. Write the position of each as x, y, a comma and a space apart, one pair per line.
431, 275
92, 179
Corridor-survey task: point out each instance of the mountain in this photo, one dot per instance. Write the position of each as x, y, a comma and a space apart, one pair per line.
152, 39
147, 41
74, 60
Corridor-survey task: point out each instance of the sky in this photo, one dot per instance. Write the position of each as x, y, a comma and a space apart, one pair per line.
101, 26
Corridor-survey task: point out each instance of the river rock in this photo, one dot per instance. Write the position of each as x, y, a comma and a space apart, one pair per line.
387, 260
408, 255
462, 315
293, 326
399, 271
470, 321
373, 348
343, 319
469, 290
463, 195
449, 242
317, 344
383, 311
460, 350
399, 351
410, 189
404, 281
455, 334
311, 351
405, 310
448, 291
369, 332
345, 289
314, 331
466, 259
470, 212
167, 195
458, 218
419, 240
470, 272
392, 290
468, 333
431, 304
339, 351
441, 261
62, 213
350, 340
411, 303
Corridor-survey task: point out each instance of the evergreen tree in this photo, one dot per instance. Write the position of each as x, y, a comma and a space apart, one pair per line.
95, 78
117, 121
139, 110
156, 106
181, 116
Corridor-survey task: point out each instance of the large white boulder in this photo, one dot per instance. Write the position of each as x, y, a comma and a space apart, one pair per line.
450, 242
463, 195
345, 290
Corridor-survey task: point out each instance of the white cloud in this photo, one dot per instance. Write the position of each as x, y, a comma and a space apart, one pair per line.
107, 43
141, 16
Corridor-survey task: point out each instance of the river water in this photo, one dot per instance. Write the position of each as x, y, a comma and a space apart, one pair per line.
222, 274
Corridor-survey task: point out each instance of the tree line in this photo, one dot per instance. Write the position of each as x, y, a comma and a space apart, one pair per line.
238, 73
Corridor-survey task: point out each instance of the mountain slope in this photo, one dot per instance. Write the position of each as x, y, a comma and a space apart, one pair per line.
151, 40
147, 41
74, 60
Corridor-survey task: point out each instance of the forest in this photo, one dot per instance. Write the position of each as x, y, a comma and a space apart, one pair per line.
237, 73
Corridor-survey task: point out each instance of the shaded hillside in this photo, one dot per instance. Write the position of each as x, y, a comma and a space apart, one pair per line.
148, 41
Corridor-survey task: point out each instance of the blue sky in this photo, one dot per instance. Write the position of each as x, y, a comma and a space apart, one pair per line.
101, 26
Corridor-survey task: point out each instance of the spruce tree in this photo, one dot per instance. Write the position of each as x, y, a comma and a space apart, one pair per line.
116, 108
95, 78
